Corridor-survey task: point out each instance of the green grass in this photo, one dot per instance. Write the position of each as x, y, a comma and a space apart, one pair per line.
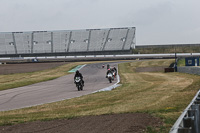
181, 62
163, 95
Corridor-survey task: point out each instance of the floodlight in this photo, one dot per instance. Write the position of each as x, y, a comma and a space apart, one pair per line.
72, 41
11, 43
49, 42
35, 42
86, 40
109, 40
123, 39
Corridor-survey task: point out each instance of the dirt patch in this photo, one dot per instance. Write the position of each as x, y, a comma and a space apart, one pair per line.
28, 67
151, 69
118, 123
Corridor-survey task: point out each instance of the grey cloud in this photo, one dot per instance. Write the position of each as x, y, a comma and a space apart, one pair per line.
156, 21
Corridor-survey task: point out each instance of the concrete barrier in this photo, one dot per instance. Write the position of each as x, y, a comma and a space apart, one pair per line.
189, 70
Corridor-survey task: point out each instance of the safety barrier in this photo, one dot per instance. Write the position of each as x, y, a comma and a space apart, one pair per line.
189, 70
189, 121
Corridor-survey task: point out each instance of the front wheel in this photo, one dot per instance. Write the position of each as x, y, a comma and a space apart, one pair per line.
81, 87
110, 80
78, 87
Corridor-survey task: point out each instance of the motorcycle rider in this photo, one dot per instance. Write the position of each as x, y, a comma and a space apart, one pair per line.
108, 66
103, 66
78, 74
108, 71
115, 69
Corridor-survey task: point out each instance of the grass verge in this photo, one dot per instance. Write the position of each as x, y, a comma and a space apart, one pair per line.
163, 95
181, 62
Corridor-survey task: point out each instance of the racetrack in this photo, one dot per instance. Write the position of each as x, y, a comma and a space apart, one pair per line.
55, 90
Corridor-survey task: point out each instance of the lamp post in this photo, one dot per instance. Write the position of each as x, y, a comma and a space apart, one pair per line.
175, 64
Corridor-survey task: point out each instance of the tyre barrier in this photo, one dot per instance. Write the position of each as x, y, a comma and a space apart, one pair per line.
189, 120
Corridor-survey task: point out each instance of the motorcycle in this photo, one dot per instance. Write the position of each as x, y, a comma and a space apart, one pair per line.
79, 83
110, 77
114, 74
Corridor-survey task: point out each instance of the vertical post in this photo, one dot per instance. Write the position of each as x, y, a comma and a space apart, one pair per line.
89, 40
65, 43
196, 126
125, 39
28, 50
14, 42
175, 64
32, 38
70, 36
133, 38
51, 42
106, 40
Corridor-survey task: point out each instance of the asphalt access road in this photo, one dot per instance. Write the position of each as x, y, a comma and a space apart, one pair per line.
55, 90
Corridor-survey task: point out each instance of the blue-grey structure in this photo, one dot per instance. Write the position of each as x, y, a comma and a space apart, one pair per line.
192, 61
67, 41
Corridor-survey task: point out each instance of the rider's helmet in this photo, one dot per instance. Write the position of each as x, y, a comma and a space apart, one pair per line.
77, 72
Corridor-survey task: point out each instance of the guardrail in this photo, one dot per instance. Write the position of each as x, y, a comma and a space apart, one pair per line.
189, 120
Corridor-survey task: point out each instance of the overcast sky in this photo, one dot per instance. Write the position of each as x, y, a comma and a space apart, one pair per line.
156, 21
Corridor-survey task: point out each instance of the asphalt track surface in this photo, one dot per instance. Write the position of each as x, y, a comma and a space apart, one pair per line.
55, 90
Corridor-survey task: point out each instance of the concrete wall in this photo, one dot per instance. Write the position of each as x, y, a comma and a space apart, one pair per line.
189, 69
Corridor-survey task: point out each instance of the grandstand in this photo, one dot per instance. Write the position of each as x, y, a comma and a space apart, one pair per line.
67, 42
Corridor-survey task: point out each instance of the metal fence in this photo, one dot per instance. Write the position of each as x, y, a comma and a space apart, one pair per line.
189, 121
67, 41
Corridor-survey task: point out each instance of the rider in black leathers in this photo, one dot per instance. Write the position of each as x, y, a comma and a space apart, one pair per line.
108, 71
115, 70
78, 74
